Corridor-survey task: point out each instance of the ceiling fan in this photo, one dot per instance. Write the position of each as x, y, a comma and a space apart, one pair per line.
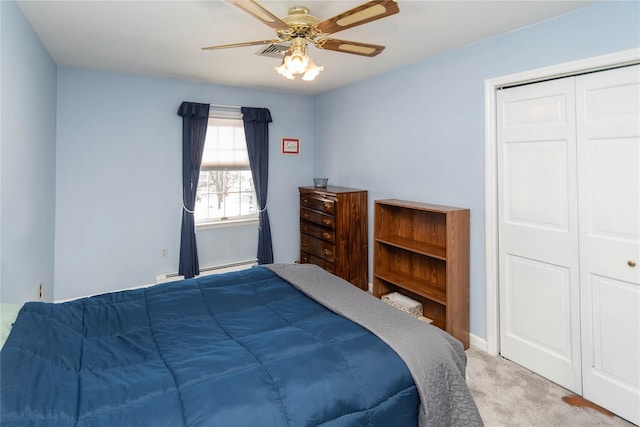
299, 27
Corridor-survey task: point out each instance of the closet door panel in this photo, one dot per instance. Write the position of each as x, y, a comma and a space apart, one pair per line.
608, 135
538, 284
611, 204
538, 245
615, 307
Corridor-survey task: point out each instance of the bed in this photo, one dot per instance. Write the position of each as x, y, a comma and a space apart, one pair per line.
276, 345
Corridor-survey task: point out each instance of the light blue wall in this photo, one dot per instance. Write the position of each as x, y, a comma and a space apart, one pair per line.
119, 181
27, 169
418, 133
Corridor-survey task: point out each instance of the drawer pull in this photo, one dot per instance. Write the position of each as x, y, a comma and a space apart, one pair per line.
326, 235
305, 199
327, 221
328, 206
306, 215
327, 252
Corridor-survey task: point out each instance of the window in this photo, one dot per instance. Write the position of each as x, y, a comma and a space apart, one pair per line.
225, 190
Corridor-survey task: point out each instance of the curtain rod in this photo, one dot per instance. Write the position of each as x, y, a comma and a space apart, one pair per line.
224, 106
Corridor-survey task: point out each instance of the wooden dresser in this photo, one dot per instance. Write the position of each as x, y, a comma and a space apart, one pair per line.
333, 232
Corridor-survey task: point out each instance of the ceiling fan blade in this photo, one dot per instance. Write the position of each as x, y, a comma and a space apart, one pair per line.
367, 12
364, 49
225, 46
258, 11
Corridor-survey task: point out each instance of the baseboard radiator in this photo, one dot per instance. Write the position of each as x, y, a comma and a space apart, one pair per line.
215, 269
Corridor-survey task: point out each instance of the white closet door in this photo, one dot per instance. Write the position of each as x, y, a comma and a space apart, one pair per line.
608, 131
538, 230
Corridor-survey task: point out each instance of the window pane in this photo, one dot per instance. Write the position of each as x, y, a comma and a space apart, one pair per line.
225, 189
225, 145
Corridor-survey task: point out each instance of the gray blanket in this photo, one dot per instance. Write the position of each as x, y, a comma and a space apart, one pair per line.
436, 360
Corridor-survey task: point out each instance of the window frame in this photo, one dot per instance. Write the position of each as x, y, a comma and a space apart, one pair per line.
209, 223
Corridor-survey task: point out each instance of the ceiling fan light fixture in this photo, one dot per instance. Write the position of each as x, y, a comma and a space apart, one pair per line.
312, 71
296, 61
284, 71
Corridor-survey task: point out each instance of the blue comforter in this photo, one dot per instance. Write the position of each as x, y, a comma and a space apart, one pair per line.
238, 349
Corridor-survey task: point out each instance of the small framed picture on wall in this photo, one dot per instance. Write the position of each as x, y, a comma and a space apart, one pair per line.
290, 146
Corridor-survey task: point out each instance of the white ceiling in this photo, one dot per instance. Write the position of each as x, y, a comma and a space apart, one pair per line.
163, 38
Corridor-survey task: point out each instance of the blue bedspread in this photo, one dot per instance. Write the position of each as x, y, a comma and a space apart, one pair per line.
238, 349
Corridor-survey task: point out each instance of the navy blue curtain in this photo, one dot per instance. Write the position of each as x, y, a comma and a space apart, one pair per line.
194, 129
256, 130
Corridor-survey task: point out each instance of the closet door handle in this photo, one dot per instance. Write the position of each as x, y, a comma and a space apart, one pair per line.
631, 263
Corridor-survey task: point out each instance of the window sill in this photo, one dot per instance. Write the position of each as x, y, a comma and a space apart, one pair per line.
225, 224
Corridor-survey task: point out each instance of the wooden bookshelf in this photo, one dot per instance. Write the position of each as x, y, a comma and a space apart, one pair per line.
422, 251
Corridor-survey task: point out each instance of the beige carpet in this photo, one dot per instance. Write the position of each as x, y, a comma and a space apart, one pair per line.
510, 395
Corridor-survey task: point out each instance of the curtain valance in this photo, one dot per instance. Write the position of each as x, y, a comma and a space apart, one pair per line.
193, 109
260, 115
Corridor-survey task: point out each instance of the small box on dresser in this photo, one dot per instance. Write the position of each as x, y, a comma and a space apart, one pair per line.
334, 232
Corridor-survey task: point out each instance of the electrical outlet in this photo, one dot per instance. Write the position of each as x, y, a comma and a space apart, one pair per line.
164, 252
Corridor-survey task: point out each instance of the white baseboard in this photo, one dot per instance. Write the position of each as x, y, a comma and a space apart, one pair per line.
477, 342
205, 271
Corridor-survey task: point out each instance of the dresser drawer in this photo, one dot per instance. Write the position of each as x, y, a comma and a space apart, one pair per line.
318, 202
318, 218
307, 258
326, 234
317, 247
